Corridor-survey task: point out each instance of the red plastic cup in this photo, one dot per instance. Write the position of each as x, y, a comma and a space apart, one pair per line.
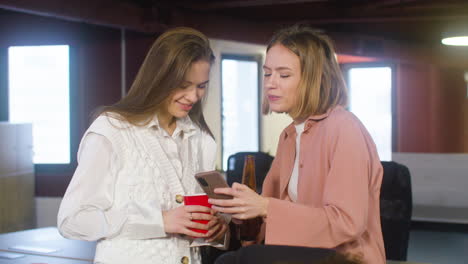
198, 199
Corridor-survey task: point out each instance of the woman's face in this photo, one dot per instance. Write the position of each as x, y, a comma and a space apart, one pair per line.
192, 90
282, 74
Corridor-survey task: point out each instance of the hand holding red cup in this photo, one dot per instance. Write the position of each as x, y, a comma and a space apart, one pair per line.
198, 199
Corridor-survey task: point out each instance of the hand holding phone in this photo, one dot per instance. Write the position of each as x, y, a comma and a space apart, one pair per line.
211, 180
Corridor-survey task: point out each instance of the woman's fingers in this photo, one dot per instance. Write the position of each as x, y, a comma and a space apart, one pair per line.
213, 229
227, 191
192, 233
239, 187
216, 235
196, 225
201, 216
197, 208
233, 191
230, 210
214, 221
226, 202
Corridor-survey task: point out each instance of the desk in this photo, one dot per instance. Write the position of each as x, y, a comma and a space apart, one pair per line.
69, 251
32, 259
49, 237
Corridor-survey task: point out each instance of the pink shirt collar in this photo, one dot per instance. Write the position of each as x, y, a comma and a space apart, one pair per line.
291, 130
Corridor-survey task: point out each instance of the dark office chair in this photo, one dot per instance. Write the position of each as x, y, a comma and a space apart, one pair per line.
396, 205
236, 165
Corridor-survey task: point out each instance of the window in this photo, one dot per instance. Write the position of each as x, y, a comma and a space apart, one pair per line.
240, 105
38, 93
370, 92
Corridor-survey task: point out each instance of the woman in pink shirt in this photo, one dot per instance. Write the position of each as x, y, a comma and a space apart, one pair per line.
324, 184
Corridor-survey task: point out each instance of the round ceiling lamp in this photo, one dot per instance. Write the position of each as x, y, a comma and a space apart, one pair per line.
456, 41
457, 35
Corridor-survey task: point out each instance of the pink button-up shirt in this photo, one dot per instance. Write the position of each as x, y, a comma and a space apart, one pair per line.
338, 188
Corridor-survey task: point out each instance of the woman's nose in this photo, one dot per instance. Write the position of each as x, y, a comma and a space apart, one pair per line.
192, 95
270, 82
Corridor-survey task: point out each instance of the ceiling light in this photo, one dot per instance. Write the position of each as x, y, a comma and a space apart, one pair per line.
456, 41
455, 35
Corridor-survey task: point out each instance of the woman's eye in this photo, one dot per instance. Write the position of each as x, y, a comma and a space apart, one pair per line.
285, 75
267, 74
203, 86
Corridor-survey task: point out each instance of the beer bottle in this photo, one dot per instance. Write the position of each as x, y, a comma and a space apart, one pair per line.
250, 228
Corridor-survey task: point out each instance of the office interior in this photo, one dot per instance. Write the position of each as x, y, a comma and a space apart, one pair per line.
107, 40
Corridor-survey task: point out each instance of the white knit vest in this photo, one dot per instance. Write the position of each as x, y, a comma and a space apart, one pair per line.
145, 175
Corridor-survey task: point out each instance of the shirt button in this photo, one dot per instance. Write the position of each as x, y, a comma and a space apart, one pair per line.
301, 165
179, 198
184, 260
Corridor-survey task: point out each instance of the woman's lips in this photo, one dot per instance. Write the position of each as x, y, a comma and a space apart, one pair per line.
273, 98
185, 107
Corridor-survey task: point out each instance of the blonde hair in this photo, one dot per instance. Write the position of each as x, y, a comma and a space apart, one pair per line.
322, 85
162, 72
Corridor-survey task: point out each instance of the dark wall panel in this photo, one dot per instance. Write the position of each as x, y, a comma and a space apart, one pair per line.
430, 111
136, 46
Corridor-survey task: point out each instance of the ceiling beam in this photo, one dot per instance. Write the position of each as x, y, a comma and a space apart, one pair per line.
99, 12
357, 20
123, 15
244, 3
387, 3
411, 5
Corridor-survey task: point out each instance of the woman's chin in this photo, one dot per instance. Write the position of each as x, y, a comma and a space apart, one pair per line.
181, 114
278, 110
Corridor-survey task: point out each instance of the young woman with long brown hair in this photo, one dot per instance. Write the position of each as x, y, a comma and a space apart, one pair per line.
138, 159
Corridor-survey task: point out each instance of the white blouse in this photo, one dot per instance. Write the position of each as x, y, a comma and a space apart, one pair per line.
292, 186
94, 221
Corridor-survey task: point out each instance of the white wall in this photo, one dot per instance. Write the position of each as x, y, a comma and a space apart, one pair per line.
437, 179
272, 125
439, 182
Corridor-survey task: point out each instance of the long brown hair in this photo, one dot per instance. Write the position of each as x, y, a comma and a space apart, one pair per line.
322, 85
161, 73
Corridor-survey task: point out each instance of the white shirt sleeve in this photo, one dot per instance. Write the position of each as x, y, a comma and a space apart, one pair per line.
87, 212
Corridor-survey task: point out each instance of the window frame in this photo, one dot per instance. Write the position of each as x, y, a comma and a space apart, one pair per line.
242, 57
381, 64
46, 174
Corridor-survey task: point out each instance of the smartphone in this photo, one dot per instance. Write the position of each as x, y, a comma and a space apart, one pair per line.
211, 180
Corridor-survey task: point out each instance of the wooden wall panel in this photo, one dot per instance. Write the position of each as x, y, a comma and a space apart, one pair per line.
453, 100
16, 178
413, 108
430, 109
